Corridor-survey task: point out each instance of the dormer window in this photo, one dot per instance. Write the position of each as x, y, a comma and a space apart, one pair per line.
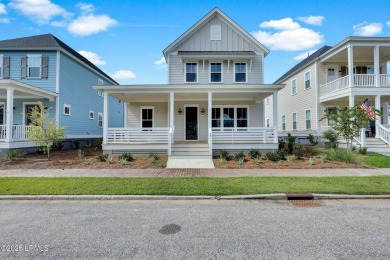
191, 72
240, 72
215, 72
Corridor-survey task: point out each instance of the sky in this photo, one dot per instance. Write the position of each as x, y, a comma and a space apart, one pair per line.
126, 38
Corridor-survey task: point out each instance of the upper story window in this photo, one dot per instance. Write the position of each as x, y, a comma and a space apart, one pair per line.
100, 82
191, 72
240, 72
307, 80
34, 66
215, 72
294, 87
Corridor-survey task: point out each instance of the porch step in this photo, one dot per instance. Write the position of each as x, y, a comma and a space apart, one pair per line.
190, 149
376, 143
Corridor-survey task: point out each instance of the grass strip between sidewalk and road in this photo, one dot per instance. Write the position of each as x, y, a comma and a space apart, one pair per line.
194, 186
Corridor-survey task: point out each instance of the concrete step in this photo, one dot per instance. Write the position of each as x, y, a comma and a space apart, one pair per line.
190, 145
190, 157
190, 153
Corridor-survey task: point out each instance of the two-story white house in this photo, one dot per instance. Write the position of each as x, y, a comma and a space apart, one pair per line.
214, 98
334, 77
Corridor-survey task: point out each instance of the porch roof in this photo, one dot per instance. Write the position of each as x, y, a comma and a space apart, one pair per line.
23, 90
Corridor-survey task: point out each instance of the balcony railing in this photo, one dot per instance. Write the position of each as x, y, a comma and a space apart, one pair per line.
158, 135
2, 132
244, 135
364, 80
385, 80
334, 85
19, 132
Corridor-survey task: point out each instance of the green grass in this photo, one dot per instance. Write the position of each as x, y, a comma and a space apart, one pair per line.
376, 160
194, 186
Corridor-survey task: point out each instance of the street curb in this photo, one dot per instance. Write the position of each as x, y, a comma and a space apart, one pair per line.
275, 196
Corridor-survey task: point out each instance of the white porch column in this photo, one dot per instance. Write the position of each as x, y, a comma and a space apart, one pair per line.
209, 125
376, 66
350, 66
171, 121
10, 114
105, 116
351, 100
275, 115
362, 137
377, 118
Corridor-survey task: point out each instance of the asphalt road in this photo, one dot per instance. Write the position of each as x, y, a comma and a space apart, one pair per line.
342, 229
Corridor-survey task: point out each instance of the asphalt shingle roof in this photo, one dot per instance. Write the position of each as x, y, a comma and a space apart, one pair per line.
51, 42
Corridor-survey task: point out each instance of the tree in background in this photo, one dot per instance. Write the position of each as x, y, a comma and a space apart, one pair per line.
44, 131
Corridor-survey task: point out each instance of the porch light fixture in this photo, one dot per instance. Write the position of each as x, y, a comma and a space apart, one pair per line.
202, 112
180, 112
340, 72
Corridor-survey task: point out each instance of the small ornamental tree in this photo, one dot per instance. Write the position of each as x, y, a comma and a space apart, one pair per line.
44, 131
349, 120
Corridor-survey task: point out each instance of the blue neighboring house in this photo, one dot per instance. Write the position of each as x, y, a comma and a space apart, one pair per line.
43, 68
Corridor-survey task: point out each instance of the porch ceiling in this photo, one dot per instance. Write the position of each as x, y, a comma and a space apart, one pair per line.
22, 90
360, 54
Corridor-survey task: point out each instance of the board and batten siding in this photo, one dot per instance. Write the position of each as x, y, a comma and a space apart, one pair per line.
48, 83
76, 90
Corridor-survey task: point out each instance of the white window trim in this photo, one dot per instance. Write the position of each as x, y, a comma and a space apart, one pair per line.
306, 120
185, 72
100, 114
24, 110
292, 121
140, 115
70, 110
246, 72
1, 65
40, 66
212, 82
304, 79
284, 121
93, 114
235, 115
296, 88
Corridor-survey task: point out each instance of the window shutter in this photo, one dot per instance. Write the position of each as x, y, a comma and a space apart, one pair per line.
23, 68
45, 66
6, 67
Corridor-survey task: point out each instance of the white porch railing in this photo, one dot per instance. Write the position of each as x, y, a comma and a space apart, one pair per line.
364, 80
334, 85
157, 135
383, 133
385, 80
19, 132
2, 132
244, 135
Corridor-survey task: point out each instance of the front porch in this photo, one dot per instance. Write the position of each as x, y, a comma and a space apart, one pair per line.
163, 119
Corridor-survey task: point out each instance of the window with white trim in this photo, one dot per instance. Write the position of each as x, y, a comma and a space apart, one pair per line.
229, 117
100, 120
67, 110
91, 114
215, 72
294, 87
147, 117
100, 82
191, 72
307, 80
284, 123
267, 122
34, 63
294, 121
308, 119
240, 72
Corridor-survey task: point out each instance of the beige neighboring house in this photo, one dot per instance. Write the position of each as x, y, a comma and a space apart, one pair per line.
334, 77
214, 99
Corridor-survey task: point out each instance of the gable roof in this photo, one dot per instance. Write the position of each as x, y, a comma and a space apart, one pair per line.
214, 12
304, 63
49, 42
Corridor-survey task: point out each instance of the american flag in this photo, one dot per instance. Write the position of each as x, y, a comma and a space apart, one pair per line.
368, 108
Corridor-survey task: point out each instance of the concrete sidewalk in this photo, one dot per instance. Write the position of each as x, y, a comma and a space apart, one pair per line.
174, 173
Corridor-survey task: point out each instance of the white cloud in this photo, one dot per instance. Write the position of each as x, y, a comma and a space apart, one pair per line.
41, 11
304, 55
58, 23
123, 75
91, 24
4, 20
313, 20
93, 57
388, 23
86, 8
367, 29
287, 35
2, 9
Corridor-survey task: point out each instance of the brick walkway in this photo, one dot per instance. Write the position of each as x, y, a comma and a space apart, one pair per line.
172, 173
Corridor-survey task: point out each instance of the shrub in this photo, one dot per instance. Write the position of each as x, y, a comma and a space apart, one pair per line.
88, 150
122, 161
109, 159
282, 154
58, 145
273, 156
341, 155
332, 138
353, 148
87, 162
323, 157
76, 144
299, 151
102, 157
291, 158
152, 157
254, 154
98, 143
127, 156
240, 157
223, 155
313, 140
362, 150
311, 151
290, 143
282, 144
311, 161
13, 155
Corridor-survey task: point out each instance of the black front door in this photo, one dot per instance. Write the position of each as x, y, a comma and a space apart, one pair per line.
191, 123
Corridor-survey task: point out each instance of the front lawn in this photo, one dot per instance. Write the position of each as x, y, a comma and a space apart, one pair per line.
194, 186
376, 160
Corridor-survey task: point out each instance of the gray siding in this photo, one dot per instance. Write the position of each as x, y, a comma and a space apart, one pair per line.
134, 114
